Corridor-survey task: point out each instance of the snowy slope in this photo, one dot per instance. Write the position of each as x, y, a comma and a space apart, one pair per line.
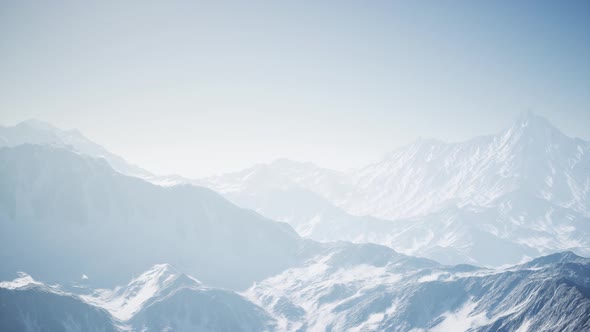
124, 302
366, 288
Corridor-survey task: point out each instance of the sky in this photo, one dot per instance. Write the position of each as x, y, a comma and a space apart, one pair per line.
201, 88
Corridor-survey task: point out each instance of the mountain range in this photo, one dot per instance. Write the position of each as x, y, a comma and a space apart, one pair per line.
345, 287
97, 244
524, 192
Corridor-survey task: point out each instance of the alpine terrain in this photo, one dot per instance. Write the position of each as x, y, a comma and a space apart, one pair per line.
88, 244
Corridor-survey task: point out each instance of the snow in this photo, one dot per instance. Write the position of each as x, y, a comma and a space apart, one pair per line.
308, 228
123, 303
338, 291
463, 319
23, 280
525, 326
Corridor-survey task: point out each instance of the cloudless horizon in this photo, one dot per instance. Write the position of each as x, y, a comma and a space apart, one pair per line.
198, 89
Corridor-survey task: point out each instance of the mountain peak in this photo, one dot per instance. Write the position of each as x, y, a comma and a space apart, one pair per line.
530, 127
38, 132
161, 276
158, 271
38, 124
529, 119
556, 258
157, 282
22, 281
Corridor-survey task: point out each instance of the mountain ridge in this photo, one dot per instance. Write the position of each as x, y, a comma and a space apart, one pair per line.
345, 287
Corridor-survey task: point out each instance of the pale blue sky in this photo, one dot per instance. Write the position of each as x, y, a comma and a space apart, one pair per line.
202, 88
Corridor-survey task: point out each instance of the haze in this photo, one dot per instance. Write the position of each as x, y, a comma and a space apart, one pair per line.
204, 88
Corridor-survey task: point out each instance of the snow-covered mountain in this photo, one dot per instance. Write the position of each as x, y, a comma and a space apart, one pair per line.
39, 132
492, 200
42, 133
530, 159
29, 305
61, 208
163, 299
160, 299
344, 287
157, 282
371, 288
